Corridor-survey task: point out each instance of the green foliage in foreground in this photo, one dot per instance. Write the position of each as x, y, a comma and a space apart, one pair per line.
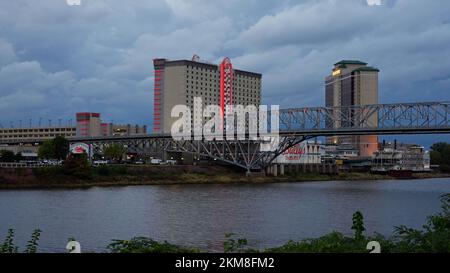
8, 246
433, 238
147, 245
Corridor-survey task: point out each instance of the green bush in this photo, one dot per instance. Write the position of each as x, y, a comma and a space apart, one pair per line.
8, 245
77, 166
147, 245
48, 171
110, 170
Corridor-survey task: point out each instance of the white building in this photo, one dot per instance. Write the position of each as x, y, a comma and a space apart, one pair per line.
308, 152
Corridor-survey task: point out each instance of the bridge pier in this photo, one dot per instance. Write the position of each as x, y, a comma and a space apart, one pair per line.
275, 170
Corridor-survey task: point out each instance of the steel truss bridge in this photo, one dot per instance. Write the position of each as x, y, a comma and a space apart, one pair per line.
296, 125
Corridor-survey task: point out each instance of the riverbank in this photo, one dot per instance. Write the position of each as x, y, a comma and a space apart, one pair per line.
113, 176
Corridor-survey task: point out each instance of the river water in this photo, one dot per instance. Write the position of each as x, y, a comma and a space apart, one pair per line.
199, 215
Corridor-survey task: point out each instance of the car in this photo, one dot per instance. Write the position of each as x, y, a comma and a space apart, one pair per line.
100, 162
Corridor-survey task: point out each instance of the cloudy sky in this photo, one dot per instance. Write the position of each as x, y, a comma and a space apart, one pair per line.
57, 59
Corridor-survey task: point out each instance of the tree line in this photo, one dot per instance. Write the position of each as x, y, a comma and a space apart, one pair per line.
440, 155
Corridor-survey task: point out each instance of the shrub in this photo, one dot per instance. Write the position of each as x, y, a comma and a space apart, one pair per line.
146, 245
8, 246
77, 166
108, 170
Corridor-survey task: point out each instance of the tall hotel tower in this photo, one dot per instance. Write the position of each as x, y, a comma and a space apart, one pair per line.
353, 83
178, 82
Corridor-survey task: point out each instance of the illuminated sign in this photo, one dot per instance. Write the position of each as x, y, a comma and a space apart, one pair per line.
80, 148
337, 72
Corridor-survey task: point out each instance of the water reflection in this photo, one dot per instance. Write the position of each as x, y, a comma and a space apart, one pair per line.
200, 215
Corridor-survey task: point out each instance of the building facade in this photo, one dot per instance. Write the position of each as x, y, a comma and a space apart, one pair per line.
353, 83
91, 125
88, 125
401, 158
42, 133
179, 82
307, 152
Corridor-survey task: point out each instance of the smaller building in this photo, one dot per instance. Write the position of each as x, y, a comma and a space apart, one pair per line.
109, 129
91, 125
308, 152
88, 124
346, 151
401, 158
39, 133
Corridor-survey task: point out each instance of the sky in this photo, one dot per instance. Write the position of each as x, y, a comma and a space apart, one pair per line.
58, 59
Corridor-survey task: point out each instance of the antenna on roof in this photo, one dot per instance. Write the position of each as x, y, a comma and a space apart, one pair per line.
196, 58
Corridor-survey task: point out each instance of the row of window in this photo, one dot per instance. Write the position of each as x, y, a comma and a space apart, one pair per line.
37, 130
214, 93
216, 101
252, 84
35, 136
195, 70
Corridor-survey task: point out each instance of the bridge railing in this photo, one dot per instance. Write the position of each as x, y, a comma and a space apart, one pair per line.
425, 117
378, 116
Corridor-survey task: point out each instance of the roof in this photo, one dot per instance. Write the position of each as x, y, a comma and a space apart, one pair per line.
344, 62
209, 66
367, 69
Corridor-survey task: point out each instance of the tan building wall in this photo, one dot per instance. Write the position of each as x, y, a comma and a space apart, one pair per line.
127, 130
353, 83
184, 80
36, 133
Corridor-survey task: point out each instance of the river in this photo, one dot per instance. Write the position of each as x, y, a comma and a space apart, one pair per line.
199, 215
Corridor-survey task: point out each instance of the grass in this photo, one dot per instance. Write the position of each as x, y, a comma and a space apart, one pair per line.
122, 175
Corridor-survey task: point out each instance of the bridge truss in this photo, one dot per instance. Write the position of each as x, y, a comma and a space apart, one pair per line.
296, 125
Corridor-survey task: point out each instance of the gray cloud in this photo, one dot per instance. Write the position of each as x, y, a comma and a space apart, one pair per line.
57, 59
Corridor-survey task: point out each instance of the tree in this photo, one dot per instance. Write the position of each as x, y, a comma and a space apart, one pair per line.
18, 157
61, 147
78, 166
358, 225
7, 156
46, 150
440, 155
57, 148
436, 158
115, 152
439, 147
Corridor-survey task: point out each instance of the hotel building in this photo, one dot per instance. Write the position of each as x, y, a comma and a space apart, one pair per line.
353, 83
179, 82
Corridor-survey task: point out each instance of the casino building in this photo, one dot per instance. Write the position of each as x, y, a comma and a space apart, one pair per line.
179, 81
353, 83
